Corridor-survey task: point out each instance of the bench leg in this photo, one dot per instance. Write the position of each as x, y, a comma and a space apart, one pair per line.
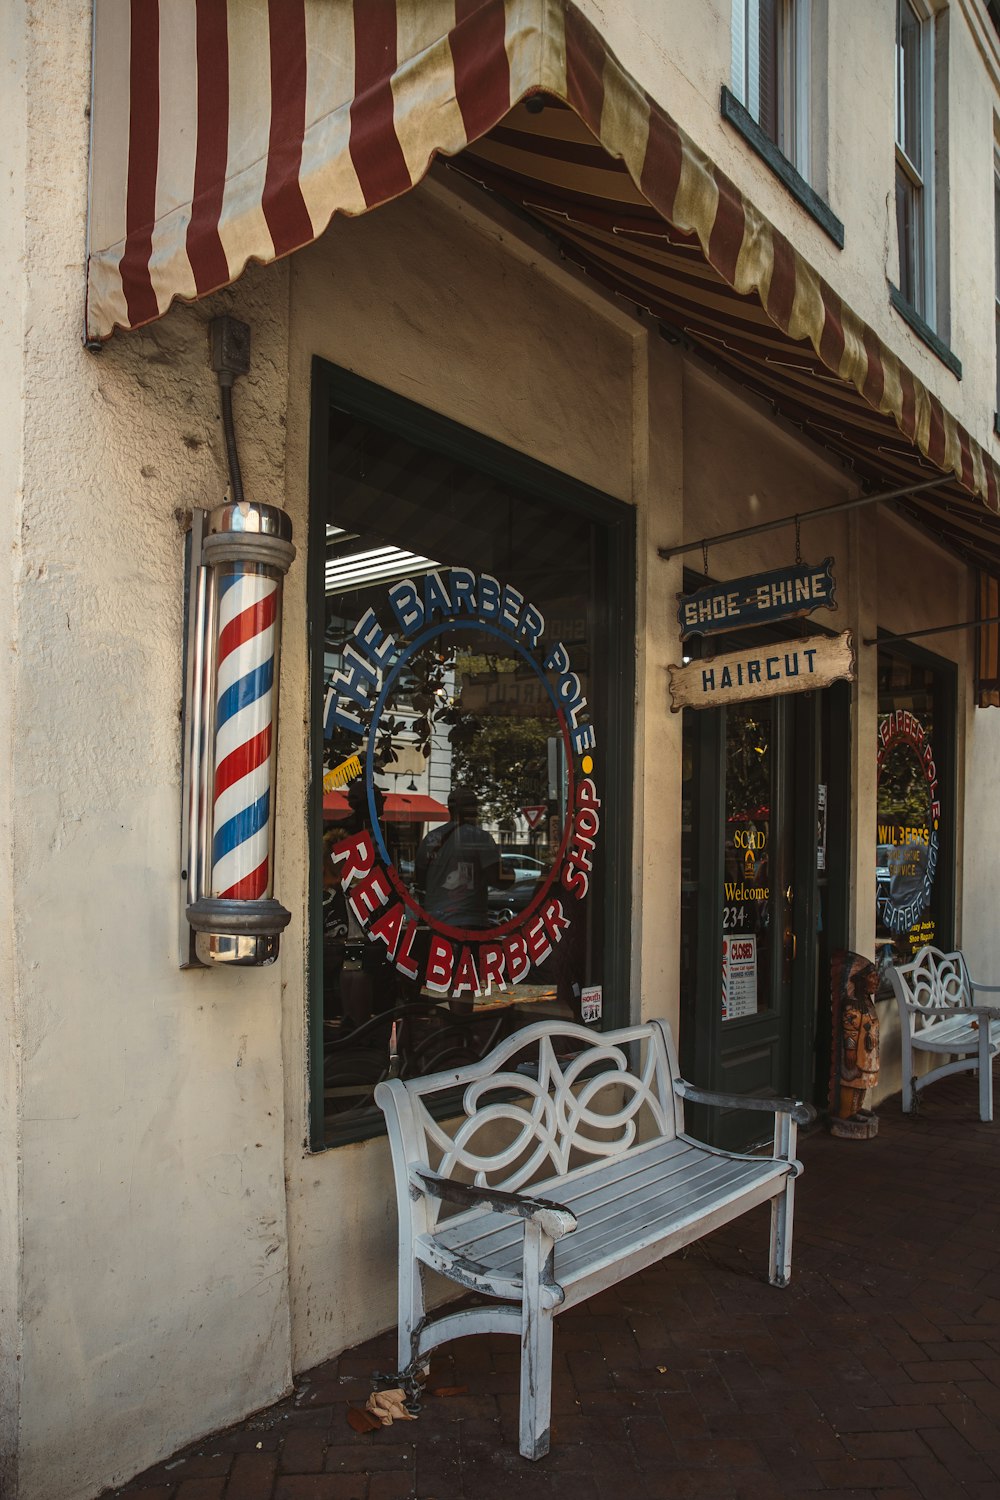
779, 1269
411, 1309
536, 1347
985, 1073
906, 1061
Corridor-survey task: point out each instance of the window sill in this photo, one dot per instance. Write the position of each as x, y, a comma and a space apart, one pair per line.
807, 197
924, 331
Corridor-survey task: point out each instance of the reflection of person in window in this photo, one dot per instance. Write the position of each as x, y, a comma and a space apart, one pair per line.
367, 982
457, 863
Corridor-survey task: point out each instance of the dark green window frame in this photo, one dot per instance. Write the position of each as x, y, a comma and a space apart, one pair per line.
334, 387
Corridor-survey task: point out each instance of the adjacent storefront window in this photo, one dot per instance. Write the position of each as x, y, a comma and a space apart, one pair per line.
915, 754
470, 741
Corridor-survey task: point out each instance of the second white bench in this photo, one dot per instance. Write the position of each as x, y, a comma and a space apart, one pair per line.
938, 1012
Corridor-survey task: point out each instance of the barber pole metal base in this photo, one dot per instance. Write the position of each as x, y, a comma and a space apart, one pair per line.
240, 557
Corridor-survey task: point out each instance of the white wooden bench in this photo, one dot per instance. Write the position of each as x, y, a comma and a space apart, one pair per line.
938, 1013
581, 1174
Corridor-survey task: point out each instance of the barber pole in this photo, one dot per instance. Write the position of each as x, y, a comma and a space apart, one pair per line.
233, 715
241, 855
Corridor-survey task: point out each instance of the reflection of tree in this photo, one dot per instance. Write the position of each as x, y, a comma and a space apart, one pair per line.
421, 697
902, 788
503, 758
747, 774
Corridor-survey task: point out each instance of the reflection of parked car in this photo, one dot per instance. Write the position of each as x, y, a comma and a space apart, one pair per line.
506, 901
521, 866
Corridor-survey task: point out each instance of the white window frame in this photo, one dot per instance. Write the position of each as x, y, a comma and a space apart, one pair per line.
795, 67
923, 179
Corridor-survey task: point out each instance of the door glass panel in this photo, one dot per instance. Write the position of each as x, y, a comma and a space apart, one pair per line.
746, 913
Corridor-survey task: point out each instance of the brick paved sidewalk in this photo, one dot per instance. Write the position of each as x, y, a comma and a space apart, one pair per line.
874, 1376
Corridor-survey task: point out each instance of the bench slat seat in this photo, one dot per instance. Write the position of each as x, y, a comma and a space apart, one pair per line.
939, 1012
581, 1174
954, 1034
665, 1200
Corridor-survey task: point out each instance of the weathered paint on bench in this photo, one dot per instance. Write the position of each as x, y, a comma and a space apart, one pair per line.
581, 1174
938, 1013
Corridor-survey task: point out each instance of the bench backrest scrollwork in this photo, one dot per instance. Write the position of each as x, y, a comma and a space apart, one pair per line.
931, 980
547, 1098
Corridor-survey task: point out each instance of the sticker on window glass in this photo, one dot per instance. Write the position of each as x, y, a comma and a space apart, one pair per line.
821, 827
591, 1003
739, 977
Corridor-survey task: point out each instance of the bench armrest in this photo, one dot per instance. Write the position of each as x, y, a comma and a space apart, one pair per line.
802, 1114
552, 1218
991, 1012
987, 989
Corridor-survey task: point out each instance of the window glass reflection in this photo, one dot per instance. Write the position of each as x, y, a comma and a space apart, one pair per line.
464, 722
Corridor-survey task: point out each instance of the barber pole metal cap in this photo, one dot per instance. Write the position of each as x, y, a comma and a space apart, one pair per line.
249, 533
249, 548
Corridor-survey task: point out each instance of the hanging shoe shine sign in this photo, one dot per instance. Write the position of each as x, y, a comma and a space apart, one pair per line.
796, 666
761, 599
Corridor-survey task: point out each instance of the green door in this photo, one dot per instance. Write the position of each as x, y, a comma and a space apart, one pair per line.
759, 790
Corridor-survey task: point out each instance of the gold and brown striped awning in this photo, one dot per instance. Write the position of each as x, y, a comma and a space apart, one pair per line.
225, 132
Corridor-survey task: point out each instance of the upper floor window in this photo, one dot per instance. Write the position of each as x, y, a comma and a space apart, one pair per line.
915, 156
771, 72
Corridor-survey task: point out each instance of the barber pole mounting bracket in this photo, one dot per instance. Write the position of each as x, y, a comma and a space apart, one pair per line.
239, 556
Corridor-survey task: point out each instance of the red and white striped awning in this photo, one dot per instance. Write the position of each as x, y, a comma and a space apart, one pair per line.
226, 131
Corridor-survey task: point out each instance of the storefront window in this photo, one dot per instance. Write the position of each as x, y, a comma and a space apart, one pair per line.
915, 805
467, 741
747, 937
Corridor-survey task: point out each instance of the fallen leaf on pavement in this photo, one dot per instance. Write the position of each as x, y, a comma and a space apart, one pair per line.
389, 1407
362, 1421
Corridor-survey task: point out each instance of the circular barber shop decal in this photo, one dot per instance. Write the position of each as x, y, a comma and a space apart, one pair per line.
400, 671
908, 821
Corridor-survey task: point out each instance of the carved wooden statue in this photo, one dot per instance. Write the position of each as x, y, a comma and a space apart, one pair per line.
855, 1053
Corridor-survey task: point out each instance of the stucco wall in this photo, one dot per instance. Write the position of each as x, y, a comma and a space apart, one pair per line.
155, 1293
13, 289
980, 934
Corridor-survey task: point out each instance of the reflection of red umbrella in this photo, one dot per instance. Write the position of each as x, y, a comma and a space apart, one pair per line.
400, 807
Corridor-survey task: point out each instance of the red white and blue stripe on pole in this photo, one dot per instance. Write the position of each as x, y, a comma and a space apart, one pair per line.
244, 739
